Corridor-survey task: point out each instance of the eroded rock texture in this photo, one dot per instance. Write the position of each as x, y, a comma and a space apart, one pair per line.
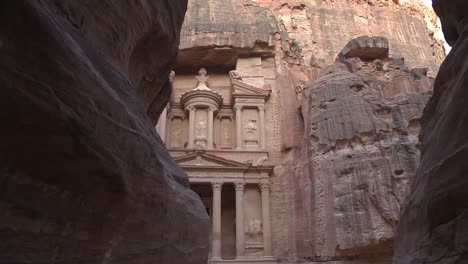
84, 178
322, 28
361, 117
434, 222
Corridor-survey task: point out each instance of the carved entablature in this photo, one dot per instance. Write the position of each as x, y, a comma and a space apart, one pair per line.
242, 92
198, 98
214, 167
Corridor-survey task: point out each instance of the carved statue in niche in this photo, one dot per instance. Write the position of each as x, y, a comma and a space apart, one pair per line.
226, 136
201, 129
202, 80
177, 133
254, 231
250, 128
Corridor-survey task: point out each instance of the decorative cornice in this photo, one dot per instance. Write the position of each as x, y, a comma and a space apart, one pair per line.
202, 98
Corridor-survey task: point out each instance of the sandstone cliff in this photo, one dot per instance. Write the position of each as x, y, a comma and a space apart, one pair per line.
361, 118
344, 145
84, 178
316, 30
434, 223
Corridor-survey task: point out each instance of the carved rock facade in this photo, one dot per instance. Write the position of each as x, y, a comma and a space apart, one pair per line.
337, 143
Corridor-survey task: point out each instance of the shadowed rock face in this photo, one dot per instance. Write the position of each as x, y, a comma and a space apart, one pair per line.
434, 222
361, 125
84, 178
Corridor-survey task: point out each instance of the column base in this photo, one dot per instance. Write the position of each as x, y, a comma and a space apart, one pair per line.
246, 260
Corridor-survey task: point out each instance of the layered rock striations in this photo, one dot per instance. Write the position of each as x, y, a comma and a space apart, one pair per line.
322, 28
344, 146
434, 222
362, 118
84, 178
318, 29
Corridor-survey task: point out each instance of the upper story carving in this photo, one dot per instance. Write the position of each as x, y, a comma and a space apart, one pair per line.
225, 112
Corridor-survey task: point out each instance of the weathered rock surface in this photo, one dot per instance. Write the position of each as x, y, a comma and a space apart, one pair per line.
84, 178
322, 28
434, 222
376, 121
361, 124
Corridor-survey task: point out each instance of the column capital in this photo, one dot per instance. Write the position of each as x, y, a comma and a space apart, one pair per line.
212, 108
217, 186
239, 186
264, 186
238, 107
190, 107
261, 107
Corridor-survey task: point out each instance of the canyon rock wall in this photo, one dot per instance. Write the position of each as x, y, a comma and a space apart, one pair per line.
318, 29
84, 178
322, 28
336, 195
434, 222
361, 117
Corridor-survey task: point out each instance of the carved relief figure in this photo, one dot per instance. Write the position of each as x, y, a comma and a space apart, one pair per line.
202, 80
250, 128
226, 136
177, 133
254, 231
201, 129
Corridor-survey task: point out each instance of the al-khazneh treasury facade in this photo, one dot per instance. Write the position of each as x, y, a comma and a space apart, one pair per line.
221, 130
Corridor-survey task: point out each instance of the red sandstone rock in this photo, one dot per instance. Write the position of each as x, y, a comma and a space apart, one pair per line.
84, 178
361, 125
434, 222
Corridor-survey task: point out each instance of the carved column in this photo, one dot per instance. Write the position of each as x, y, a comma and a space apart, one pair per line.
238, 109
265, 189
240, 236
191, 135
261, 111
216, 225
161, 126
210, 127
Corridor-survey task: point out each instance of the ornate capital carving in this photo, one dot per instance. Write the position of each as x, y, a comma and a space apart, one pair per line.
239, 186
212, 108
238, 107
261, 107
264, 186
217, 186
190, 107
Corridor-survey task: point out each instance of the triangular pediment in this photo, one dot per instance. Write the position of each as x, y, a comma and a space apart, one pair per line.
242, 88
202, 159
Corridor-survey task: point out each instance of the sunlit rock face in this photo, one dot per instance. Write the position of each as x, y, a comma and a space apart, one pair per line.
362, 118
342, 117
84, 178
433, 227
